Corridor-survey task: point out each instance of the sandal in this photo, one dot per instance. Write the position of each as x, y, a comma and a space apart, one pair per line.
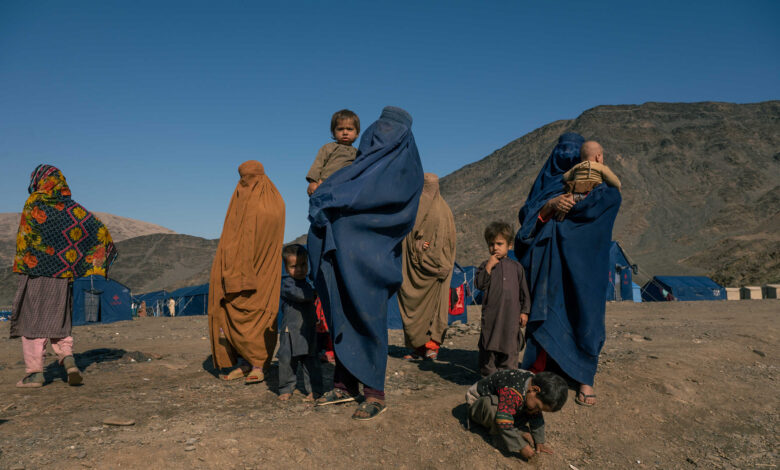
432, 354
335, 396
31, 380
372, 409
585, 396
254, 377
237, 373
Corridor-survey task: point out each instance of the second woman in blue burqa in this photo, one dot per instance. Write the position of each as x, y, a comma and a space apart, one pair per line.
359, 217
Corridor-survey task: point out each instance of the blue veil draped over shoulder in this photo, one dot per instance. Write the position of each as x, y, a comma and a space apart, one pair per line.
567, 267
359, 217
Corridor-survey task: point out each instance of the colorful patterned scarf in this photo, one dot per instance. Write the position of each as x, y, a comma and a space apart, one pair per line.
57, 237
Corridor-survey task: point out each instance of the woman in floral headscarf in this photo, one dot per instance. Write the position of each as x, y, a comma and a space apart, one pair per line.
58, 241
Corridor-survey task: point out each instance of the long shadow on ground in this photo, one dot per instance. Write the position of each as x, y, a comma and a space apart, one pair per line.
54, 370
454, 365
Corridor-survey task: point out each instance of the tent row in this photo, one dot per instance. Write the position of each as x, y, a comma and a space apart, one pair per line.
96, 299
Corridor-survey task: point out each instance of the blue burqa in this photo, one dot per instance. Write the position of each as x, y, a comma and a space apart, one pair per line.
359, 217
567, 267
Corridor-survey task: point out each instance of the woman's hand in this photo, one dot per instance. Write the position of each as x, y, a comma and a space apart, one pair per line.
559, 204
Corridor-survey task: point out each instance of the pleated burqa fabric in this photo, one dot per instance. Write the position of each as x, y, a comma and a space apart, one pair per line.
246, 275
424, 295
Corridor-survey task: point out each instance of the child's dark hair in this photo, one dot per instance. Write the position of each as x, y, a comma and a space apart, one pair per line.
344, 114
494, 229
294, 249
553, 390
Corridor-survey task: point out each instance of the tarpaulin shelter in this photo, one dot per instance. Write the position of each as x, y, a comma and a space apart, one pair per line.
667, 288
155, 302
193, 300
100, 300
460, 282
621, 271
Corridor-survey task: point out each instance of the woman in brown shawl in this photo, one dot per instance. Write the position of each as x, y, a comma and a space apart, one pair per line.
246, 277
429, 256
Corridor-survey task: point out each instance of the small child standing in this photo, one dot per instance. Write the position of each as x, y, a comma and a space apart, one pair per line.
505, 304
345, 127
298, 327
510, 403
589, 173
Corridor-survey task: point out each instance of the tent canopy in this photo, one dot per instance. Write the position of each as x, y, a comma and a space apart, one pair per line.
662, 288
100, 300
191, 300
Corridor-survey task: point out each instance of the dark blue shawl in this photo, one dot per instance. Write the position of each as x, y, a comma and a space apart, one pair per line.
359, 216
567, 267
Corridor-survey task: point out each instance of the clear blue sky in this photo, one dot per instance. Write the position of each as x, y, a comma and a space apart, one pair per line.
149, 107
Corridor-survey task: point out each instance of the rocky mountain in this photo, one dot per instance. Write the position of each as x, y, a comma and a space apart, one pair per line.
163, 261
701, 186
701, 195
121, 228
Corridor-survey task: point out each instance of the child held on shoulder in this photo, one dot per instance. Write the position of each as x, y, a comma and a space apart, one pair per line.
589, 173
344, 127
505, 305
298, 327
511, 403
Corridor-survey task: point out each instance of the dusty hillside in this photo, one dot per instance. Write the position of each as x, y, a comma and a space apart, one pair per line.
121, 229
163, 261
701, 186
681, 385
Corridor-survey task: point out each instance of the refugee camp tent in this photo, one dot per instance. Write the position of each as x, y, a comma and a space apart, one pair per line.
750, 293
661, 288
100, 300
621, 270
193, 300
771, 291
460, 279
155, 302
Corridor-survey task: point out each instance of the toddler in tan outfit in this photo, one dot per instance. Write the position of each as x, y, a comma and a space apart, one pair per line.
345, 127
589, 173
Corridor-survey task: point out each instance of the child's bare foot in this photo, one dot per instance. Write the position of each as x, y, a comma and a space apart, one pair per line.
309, 397
285, 396
586, 396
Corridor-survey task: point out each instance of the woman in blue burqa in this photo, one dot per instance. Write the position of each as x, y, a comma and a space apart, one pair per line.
566, 264
359, 217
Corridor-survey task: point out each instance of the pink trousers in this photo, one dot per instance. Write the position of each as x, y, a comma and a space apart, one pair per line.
34, 348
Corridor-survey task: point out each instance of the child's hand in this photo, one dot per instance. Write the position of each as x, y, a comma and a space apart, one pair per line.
491, 263
426, 245
527, 452
312, 187
543, 449
523, 319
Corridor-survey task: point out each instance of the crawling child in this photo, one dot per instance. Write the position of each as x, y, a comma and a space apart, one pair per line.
589, 173
510, 404
333, 156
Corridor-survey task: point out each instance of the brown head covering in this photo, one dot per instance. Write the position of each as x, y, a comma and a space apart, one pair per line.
246, 274
424, 295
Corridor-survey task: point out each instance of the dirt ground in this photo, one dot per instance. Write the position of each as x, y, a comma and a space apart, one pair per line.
680, 385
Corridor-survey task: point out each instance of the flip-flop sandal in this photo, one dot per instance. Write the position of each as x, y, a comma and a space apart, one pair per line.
432, 354
371, 408
584, 396
333, 397
254, 377
32, 380
237, 373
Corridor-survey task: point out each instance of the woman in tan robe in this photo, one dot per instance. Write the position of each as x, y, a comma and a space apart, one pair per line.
429, 256
246, 277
